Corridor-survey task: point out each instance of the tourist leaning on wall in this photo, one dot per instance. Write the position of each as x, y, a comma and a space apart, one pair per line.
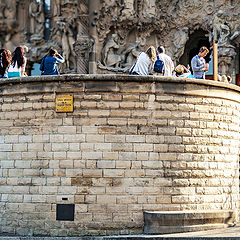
19, 61
199, 65
145, 62
49, 63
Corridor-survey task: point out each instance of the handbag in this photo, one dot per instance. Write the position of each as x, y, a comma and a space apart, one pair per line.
42, 68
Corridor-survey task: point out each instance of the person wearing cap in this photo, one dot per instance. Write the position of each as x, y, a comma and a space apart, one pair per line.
182, 71
199, 65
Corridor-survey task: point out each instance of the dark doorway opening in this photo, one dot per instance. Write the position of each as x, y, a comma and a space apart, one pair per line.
196, 40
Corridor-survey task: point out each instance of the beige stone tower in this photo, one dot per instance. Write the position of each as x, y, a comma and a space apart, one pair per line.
83, 31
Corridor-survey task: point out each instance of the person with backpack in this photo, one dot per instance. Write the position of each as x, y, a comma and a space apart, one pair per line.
144, 63
49, 63
164, 65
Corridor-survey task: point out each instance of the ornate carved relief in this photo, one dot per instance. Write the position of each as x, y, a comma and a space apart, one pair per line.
180, 38
37, 21
149, 9
172, 25
67, 40
115, 60
82, 48
122, 28
69, 25
130, 54
128, 11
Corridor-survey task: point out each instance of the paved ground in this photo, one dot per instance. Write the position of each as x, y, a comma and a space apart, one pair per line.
232, 233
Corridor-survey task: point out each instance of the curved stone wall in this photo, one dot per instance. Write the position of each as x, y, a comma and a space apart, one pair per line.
132, 144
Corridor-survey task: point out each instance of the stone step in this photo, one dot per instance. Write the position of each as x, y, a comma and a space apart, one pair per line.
162, 222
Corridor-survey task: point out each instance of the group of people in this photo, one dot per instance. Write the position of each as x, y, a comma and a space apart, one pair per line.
153, 61
146, 62
14, 64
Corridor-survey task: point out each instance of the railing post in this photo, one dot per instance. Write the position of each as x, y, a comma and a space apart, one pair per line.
215, 61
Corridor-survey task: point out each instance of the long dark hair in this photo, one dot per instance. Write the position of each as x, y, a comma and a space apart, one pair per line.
18, 56
5, 60
52, 52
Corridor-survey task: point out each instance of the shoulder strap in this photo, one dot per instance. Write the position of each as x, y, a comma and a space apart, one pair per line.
43, 62
131, 69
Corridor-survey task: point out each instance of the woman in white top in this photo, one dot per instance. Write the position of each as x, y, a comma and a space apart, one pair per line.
145, 62
19, 61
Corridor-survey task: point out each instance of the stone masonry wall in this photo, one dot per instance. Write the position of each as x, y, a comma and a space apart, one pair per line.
132, 144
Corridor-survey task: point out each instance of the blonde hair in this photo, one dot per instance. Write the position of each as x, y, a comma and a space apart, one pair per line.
179, 69
151, 52
203, 49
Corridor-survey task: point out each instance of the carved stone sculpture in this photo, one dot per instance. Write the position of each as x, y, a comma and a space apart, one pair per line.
10, 14
221, 31
37, 20
67, 43
179, 40
130, 54
128, 10
149, 8
222, 35
110, 56
226, 59
57, 7
2, 7
82, 48
9, 43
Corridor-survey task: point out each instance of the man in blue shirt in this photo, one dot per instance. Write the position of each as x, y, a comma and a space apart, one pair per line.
49, 63
199, 65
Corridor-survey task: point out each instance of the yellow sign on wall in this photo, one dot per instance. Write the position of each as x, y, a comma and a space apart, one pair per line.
64, 103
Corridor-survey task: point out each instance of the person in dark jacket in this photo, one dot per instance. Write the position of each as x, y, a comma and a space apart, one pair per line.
49, 63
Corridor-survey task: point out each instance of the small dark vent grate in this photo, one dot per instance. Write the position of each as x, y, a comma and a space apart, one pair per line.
65, 212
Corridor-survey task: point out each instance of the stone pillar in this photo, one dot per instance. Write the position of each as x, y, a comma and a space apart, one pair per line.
226, 60
93, 16
82, 47
82, 44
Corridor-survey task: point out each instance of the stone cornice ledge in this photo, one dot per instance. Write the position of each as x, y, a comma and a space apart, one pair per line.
115, 77
168, 85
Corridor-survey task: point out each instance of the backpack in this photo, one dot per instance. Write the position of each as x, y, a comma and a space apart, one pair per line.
158, 65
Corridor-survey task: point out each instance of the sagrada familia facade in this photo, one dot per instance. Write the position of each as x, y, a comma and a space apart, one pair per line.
106, 36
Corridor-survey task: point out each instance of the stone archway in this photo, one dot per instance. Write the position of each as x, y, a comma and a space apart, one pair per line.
196, 40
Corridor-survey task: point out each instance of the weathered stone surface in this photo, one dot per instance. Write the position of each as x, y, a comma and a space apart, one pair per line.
115, 157
186, 221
